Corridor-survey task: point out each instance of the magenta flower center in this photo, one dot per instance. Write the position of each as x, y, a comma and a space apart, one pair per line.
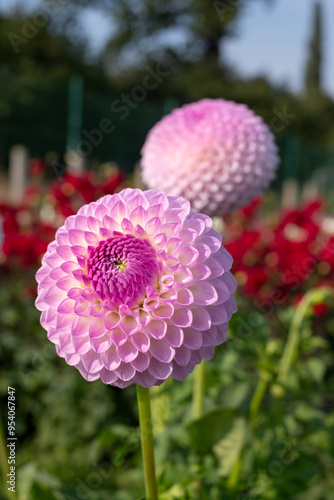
121, 268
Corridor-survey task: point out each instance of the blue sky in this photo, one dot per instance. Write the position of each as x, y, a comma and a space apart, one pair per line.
272, 40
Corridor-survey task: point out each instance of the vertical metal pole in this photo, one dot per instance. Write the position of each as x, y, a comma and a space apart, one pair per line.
74, 117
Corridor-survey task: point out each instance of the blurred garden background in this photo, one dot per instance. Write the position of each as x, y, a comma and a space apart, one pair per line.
81, 84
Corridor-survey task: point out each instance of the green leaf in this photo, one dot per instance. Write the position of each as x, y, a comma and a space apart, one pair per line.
205, 432
229, 448
316, 368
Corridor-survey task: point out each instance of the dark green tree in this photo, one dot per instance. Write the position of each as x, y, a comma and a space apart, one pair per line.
313, 75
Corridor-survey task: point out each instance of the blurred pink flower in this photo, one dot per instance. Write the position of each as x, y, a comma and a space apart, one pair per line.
136, 288
217, 154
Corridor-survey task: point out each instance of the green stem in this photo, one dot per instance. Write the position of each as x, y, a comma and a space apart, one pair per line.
198, 394
3, 458
258, 396
291, 348
146, 433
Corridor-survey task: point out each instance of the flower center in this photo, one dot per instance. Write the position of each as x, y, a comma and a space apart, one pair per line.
121, 268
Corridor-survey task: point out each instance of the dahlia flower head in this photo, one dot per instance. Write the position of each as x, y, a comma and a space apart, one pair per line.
136, 288
217, 154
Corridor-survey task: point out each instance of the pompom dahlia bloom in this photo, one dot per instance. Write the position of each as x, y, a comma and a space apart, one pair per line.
217, 154
136, 288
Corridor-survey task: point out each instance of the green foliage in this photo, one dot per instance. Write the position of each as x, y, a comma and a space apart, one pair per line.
81, 440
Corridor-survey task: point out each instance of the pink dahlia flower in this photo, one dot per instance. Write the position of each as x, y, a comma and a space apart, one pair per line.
217, 154
136, 288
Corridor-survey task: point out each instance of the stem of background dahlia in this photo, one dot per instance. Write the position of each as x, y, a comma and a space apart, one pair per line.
291, 347
3, 459
146, 434
258, 396
198, 394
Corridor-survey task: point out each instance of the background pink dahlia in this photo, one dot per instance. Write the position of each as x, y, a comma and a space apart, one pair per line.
136, 288
217, 154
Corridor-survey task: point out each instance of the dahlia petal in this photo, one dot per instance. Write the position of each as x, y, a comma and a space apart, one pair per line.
108, 377
127, 225
174, 336
197, 224
91, 362
157, 328
221, 289
221, 334
67, 283
129, 325
90, 377
56, 274
192, 338
110, 223
54, 294
100, 344
145, 379
224, 258
80, 221
174, 244
143, 317
127, 352
72, 359
110, 358
204, 293
74, 293
164, 312
188, 255
118, 336
47, 282
200, 271
209, 337
182, 372
63, 322
182, 355
96, 310
97, 328
81, 326
201, 319
112, 320
230, 282
160, 370
65, 252
78, 251
93, 224
218, 314
215, 267
168, 296
153, 226
183, 275
77, 237
125, 372
66, 306
204, 252
141, 341
91, 238
160, 240
141, 362
188, 236
81, 345
185, 297
161, 350
182, 317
